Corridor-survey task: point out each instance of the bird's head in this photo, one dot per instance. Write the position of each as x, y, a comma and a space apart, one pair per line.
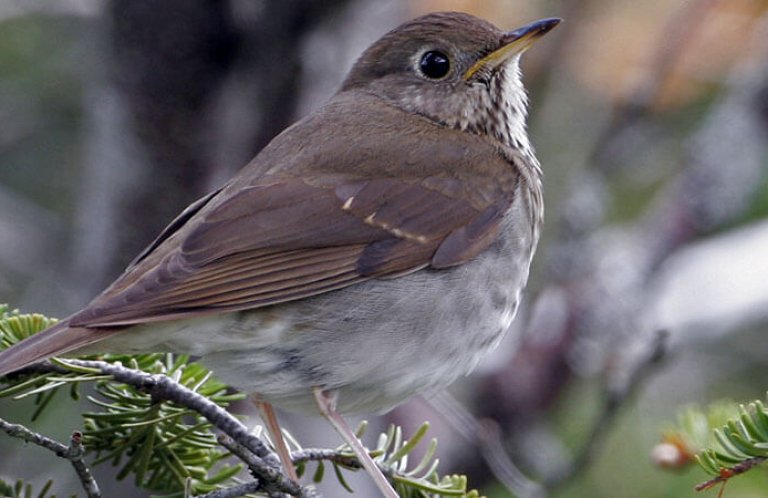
454, 69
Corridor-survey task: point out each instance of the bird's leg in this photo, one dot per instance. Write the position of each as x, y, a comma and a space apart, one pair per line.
269, 417
327, 403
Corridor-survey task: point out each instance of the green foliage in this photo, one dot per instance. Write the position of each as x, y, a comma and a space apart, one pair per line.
695, 427
741, 438
172, 450
726, 440
422, 480
15, 326
24, 490
167, 449
392, 454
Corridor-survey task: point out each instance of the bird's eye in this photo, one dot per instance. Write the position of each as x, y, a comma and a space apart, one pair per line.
434, 64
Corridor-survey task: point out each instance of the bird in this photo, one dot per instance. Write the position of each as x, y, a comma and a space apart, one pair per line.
375, 249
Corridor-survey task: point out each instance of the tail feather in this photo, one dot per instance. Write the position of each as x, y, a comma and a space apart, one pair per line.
56, 340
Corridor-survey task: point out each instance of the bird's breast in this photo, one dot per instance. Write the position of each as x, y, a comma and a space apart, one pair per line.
381, 341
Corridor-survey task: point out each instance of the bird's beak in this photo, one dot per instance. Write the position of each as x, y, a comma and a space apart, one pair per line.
514, 43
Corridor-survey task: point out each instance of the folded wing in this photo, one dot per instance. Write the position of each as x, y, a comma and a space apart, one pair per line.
282, 239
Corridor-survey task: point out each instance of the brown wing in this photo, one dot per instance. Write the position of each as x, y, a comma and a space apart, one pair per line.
282, 239
299, 220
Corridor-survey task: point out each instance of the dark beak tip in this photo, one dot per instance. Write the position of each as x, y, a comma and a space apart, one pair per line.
536, 28
549, 23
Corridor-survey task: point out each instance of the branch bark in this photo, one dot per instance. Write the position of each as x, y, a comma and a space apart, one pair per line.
262, 462
74, 452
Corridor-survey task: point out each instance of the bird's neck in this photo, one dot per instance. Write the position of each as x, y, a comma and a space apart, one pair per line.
502, 112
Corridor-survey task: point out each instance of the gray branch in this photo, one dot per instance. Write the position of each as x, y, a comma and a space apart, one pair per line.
74, 452
334, 456
261, 461
247, 457
235, 491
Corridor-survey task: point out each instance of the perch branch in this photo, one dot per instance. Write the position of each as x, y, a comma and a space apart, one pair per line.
74, 452
262, 461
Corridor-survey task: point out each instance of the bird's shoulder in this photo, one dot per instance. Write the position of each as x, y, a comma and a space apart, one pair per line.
357, 190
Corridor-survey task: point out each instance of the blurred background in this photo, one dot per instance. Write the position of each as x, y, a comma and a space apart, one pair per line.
650, 287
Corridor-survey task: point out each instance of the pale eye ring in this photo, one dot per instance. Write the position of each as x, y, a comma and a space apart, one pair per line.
434, 64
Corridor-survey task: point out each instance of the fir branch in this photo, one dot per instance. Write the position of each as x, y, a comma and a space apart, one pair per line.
344, 459
158, 416
726, 440
161, 387
391, 453
165, 446
251, 461
727, 473
74, 452
20, 489
235, 491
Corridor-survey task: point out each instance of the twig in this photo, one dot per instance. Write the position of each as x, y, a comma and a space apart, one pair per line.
248, 458
262, 461
726, 474
74, 452
252, 461
317, 454
235, 491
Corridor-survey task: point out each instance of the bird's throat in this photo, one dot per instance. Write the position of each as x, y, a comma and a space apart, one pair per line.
504, 110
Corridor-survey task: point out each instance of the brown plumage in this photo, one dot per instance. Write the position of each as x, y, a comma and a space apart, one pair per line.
297, 231
375, 249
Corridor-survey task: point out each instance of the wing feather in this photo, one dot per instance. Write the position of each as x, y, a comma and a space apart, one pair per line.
284, 238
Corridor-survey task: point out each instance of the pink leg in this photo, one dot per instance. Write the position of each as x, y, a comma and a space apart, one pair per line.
269, 417
327, 404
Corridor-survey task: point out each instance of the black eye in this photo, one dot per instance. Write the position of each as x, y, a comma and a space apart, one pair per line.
434, 64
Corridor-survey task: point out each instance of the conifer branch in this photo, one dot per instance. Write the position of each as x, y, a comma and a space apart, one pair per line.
726, 440
161, 387
156, 421
74, 452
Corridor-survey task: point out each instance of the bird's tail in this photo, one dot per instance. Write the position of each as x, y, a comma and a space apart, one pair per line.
56, 340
